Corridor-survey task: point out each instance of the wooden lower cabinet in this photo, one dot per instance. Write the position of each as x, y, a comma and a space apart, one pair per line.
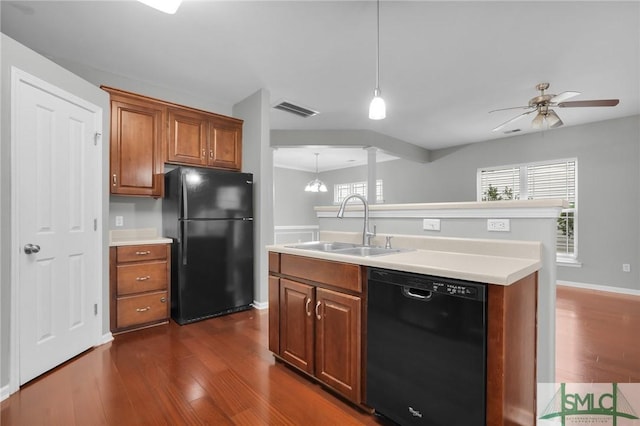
338, 341
319, 329
139, 286
317, 316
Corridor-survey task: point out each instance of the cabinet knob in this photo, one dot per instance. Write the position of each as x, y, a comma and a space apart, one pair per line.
143, 309
317, 307
210, 153
203, 153
143, 253
163, 299
143, 278
306, 307
114, 179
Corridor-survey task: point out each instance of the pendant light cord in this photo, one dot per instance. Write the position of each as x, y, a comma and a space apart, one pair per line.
378, 46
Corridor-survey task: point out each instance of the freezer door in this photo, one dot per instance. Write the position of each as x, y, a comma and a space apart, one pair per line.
215, 269
216, 194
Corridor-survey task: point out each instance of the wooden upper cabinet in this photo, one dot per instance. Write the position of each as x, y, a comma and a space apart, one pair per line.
187, 142
136, 145
147, 132
203, 139
225, 144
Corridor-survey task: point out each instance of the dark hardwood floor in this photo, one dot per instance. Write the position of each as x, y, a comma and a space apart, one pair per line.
597, 337
220, 372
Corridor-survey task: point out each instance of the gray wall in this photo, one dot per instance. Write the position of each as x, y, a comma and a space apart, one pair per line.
608, 156
291, 205
257, 158
15, 54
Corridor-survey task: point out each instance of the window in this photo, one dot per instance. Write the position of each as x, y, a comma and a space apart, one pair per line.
536, 181
342, 190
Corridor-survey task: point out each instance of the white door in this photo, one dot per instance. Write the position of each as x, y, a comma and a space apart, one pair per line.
57, 197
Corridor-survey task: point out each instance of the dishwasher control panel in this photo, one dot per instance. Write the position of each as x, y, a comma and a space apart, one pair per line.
442, 285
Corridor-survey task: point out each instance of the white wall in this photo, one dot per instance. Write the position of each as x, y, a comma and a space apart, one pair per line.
15, 54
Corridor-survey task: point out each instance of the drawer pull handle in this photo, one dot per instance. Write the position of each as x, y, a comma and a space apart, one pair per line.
318, 314
306, 307
143, 278
143, 253
163, 299
143, 309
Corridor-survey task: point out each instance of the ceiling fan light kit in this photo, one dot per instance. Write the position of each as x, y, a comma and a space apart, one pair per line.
542, 105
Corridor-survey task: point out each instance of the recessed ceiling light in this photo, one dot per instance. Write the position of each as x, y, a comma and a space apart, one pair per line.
166, 6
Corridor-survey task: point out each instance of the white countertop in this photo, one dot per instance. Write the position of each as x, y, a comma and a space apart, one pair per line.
487, 261
133, 237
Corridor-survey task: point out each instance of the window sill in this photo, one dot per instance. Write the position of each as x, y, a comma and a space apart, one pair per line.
572, 263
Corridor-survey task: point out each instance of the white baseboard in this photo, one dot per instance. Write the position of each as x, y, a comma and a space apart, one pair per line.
610, 289
106, 338
4, 393
260, 305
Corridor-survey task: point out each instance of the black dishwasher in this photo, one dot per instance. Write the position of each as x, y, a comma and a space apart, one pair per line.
426, 349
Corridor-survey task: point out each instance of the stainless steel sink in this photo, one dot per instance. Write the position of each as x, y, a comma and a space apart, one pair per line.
346, 248
323, 246
369, 251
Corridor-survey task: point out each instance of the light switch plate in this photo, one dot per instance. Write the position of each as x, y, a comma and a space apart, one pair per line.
431, 224
119, 221
498, 225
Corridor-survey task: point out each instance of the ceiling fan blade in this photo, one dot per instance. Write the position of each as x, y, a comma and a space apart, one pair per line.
506, 109
516, 118
592, 103
563, 97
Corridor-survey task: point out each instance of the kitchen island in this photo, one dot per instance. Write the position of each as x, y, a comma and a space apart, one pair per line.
318, 312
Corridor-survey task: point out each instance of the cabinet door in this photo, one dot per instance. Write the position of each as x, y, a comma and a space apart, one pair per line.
338, 342
225, 145
187, 142
136, 156
296, 324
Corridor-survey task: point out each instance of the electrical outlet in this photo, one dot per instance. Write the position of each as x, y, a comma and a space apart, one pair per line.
119, 221
498, 225
431, 224
626, 267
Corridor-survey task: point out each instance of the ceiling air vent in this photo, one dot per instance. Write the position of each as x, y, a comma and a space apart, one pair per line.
295, 109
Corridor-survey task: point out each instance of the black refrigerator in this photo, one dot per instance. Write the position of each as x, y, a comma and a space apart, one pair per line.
209, 215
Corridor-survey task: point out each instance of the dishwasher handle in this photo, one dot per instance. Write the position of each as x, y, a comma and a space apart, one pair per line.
416, 293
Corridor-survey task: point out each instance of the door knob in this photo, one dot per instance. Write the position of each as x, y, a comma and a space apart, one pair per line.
31, 248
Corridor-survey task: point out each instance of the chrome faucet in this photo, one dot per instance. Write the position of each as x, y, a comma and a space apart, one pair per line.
366, 234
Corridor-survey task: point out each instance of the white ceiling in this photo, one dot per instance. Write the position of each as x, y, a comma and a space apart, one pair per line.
444, 64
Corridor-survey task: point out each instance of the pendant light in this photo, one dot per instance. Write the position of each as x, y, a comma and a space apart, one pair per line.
377, 108
316, 185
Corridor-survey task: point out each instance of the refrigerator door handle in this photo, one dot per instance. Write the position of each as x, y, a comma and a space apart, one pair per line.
185, 199
184, 240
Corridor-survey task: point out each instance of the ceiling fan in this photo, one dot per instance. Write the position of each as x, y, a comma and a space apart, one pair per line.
542, 105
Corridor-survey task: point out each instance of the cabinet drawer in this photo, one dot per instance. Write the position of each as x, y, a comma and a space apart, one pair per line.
142, 252
142, 277
143, 309
343, 275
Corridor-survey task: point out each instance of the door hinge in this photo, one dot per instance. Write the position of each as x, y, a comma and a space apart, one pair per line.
96, 136
95, 309
95, 224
